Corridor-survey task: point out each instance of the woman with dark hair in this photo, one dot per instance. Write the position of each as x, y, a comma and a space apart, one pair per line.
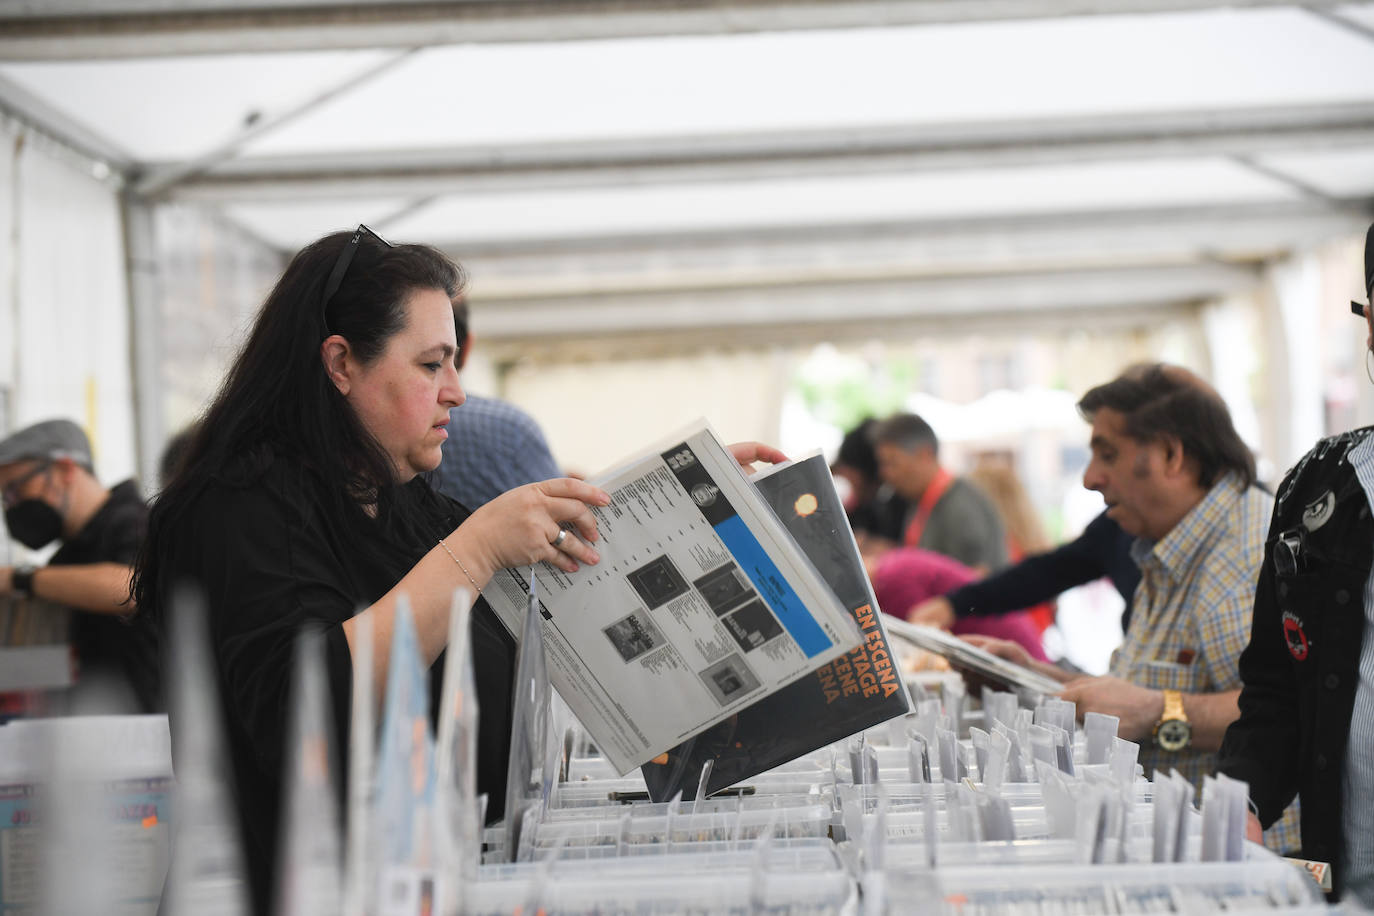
299, 503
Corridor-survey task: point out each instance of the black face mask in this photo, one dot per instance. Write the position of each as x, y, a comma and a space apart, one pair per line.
33, 523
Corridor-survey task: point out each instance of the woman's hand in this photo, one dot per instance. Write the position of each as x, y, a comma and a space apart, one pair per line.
1002, 648
746, 453
519, 527
1254, 831
1016, 653
933, 612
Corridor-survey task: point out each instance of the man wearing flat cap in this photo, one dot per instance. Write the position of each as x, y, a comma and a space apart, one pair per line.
50, 493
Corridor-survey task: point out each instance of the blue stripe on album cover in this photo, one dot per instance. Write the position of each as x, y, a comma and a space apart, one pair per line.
791, 611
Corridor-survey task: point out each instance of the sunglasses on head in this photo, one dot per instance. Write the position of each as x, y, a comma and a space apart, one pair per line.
336, 276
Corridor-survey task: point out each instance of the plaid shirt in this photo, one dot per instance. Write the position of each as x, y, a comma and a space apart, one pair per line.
1191, 616
492, 447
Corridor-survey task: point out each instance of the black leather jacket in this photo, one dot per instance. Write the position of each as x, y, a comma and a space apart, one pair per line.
1301, 668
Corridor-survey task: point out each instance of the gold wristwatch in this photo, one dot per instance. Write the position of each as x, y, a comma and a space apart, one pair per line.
1172, 731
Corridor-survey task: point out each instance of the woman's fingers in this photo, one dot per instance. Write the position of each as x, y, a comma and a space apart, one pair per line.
569, 504
576, 546
576, 514
1002, 648
568, 488
568, 525
746, 453
561, 555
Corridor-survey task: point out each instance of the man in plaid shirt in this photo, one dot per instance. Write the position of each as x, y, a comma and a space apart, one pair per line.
1176, 476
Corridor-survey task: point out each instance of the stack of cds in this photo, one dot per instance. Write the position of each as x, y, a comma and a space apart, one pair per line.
1010, 807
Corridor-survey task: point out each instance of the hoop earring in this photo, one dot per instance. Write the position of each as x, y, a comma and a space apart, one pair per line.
1368, 374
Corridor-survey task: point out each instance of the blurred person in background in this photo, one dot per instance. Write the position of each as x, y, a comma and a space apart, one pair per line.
492, 446
874, 508
945, 513
1306, 725
1025, 533
905, 577
1178, 478
51, 494
1103, 549
1037, 575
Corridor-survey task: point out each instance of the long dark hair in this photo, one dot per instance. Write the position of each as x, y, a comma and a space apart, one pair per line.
277, 400
1158, 400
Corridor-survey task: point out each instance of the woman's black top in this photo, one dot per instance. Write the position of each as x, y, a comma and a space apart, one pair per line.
257, 541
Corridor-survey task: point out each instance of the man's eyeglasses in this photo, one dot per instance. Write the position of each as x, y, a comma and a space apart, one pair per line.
10, 495
336, 276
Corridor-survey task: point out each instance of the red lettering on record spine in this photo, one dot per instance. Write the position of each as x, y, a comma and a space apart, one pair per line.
866, 669
865, 617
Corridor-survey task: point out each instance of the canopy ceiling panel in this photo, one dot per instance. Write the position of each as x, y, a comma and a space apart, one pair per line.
291, 226
179, 108
1237, 234
836, 80
170, 108
1047, 189
1341, 173
74, 29
840, 304
1358, 13
895, 149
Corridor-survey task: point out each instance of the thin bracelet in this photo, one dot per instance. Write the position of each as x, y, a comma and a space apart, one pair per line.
460, 566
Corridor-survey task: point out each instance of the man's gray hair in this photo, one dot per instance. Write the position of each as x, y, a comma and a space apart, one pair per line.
907, 431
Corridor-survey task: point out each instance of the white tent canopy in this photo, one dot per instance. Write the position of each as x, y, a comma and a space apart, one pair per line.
644, 176
511, 131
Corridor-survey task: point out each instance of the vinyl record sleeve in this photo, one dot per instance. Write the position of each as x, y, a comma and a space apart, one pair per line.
701, 604
854, 692
967, 657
